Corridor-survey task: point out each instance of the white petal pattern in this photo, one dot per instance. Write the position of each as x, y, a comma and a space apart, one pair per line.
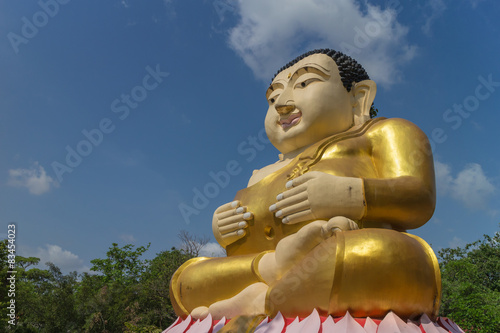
313, 324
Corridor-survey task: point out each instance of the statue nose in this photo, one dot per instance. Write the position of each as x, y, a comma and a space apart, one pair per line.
285, 109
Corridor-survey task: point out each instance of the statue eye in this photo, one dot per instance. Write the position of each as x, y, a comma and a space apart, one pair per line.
305, 83
273, 98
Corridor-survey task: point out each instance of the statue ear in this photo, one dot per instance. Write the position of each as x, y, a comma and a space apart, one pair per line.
362, 96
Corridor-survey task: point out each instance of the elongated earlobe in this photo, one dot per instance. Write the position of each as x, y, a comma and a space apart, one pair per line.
363, 94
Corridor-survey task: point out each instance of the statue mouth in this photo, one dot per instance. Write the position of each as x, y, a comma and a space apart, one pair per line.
291, 120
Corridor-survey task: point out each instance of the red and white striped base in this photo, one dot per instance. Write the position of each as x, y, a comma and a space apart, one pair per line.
314, 323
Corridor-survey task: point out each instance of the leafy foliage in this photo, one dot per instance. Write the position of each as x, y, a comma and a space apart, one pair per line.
122, 265
471, 284
373, 111
44, 298
128, 294
155, 294
3, 285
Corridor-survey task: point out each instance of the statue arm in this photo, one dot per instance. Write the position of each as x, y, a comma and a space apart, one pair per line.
403, 194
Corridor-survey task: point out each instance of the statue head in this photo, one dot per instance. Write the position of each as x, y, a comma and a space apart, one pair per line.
318, 94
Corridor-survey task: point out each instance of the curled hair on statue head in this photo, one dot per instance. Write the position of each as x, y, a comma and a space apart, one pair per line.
349, 69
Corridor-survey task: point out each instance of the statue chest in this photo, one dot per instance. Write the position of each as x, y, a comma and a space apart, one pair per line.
348, 159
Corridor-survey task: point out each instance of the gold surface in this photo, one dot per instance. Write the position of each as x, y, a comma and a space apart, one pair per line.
399, 192
175, 291
367, 272
371, 272
203, 281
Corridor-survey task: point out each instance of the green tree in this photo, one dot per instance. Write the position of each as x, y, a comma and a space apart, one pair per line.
153, 311
110, 299
155, 287
126, 294
49, 300
4, 268
44, 298
373, 111
122, 266
471, 284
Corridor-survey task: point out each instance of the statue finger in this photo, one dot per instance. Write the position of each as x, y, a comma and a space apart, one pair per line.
233, 236
248, 216
231, 212
228, 206
288, 203
291, 192
233, 227
302, 179
305, 215
294, 208
230, 220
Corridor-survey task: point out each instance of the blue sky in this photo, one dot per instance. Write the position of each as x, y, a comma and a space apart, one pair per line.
113, 114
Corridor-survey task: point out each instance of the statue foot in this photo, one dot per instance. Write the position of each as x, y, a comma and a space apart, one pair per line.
249, 302
290, 250
200, 312
293, 248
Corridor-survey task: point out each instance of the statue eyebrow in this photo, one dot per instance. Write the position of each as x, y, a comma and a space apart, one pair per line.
307, 67
273, 86
314, 67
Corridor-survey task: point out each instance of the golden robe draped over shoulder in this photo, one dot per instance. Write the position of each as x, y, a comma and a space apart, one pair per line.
368, 272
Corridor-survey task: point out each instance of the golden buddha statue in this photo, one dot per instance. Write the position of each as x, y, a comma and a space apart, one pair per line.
324, 227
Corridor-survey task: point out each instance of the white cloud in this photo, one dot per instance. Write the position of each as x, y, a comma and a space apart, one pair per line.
443, 177
64, 259
271, 33
493, 213
437, 7
212, 250
169, 6
34, 179
436, 220
127, 238
470, 186
475, 3
456, 242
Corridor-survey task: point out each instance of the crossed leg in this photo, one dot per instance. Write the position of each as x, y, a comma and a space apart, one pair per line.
272, 266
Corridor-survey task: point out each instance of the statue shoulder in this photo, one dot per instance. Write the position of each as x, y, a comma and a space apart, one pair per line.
402, 138
388, 123
396, 127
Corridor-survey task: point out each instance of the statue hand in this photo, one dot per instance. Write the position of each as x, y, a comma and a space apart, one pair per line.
229, 222
319, 196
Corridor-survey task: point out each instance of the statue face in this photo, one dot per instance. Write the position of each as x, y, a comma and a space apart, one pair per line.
307, 103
